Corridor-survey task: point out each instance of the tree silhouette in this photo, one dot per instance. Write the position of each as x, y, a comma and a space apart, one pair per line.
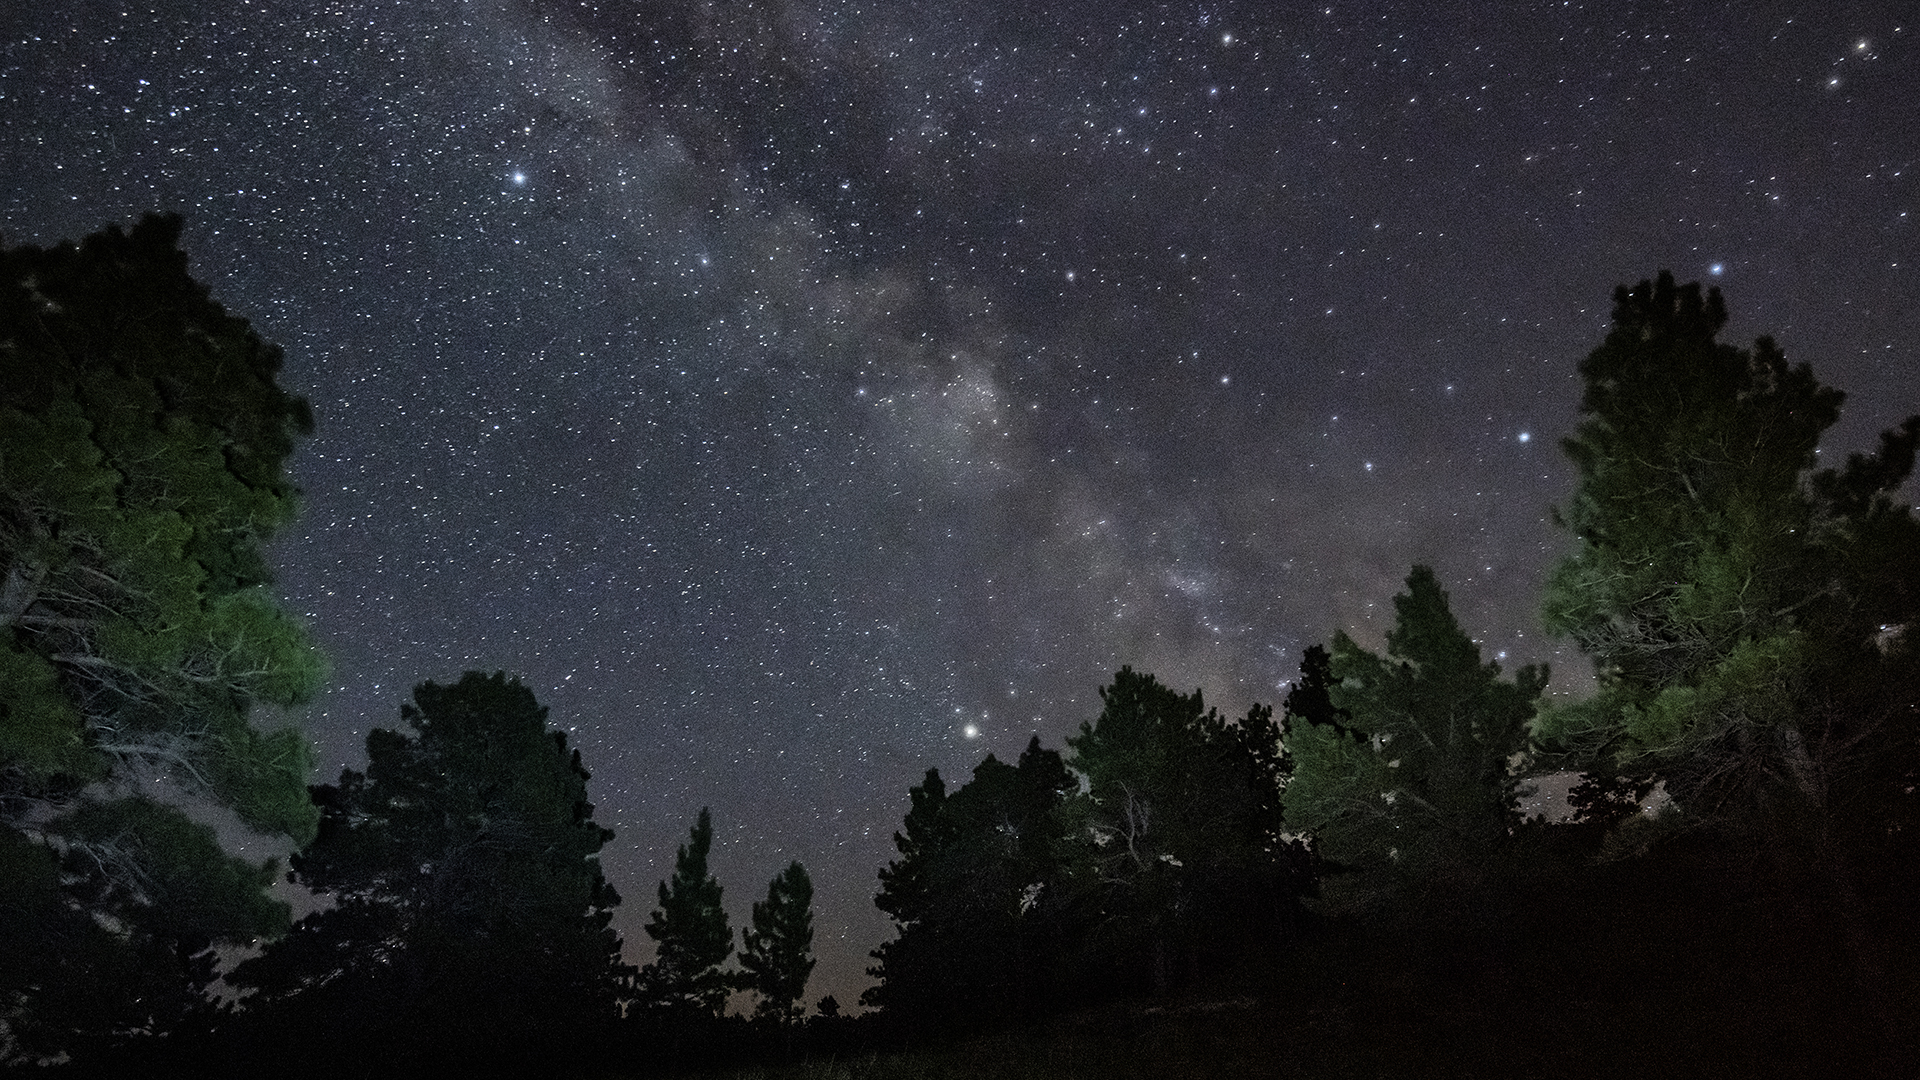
1694, 556
142, 444
469, 913
1747, 615
1032, 888
978, 895
1182, 811
777, 951
691, 930
1416, 784
1311, 698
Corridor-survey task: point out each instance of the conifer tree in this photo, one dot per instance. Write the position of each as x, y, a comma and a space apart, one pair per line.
979, 895
142, 448
690, 928
1404, 777
1749, 617
1752, 618
1181, 809
777, 950
468, 910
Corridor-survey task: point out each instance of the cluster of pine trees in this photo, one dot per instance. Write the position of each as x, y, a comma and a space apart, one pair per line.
1155, 861
1743, 836
463, 913
1743, 830
1172, 848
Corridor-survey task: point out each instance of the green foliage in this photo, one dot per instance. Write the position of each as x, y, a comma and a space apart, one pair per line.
463, 871
1416, 786
106, 927
142, 438
777, 950
150, 865
1749, 619
690, 927
1690, 516
1181, 813
1745, 613
142, 443
42, 735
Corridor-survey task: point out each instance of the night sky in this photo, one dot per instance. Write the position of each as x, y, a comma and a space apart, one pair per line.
797, 394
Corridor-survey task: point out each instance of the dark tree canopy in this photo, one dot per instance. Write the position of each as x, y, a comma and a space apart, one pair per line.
690, 927
1157, 860
1414, 783
463, 869
1182, 812
1750, 618
142, 447
1747, 614
978, 894
142, 442
776, 956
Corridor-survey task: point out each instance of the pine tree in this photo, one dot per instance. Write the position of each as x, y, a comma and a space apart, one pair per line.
777, 954
142, 445
1402, 764
1182, 810
468, 908
1748, 617
691, 930
978, 895
1751, 618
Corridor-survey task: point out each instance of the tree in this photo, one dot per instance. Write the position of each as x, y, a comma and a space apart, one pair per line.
777, 952
469, 908
1747, 615
1403, 765
1031, 888
978, 895
142, 447
1182, 810
1750, 617
691, 930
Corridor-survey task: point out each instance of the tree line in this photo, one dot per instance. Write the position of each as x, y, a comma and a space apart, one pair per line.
142, 447
1747, 767
1747, 770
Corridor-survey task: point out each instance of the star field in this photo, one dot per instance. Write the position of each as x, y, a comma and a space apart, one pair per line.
800, 395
